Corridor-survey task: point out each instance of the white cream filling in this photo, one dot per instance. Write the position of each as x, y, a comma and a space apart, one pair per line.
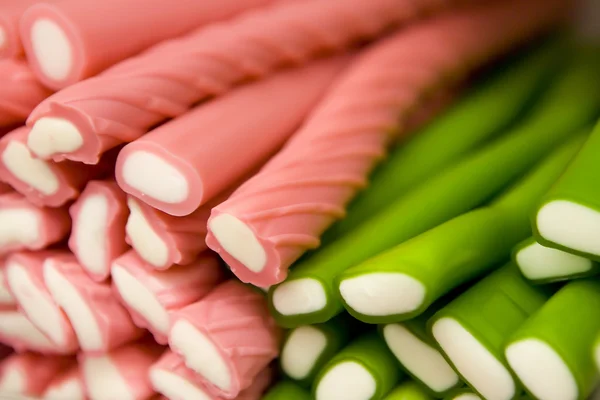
539, 262
104, 381
30, 170
6, 296
68, 390
12, 381
50, 136
144, 239
19, 227
175, 387
346, 381
299, 296
15, 325
91, 234
52, 49
301, 351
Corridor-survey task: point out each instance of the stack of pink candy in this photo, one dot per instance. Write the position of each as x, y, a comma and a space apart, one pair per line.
146, 140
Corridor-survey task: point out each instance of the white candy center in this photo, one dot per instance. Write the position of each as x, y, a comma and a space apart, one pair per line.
51, 136
18, 227
302, 349
91, 234
15, 325
540, 262
68, 390
299, 296
175, 387
104, 380
144, 239
52, 49
346, 381
34, 172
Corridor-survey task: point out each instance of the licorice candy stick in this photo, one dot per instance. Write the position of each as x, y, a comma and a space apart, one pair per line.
408, 390
98, 235
25, 277
473, 329
463, 394
152, 296
501, 99
7, 300
551, 353
541, 264
404, 281
17, 331
287, 390
28, 374
66, 386
309, 296
363, 370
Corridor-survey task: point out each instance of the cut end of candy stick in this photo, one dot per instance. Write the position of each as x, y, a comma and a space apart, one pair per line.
18, 331
104, 380
91, 234
299, 296
67, 386
51, 136
538, 262
200, 354
19, 228
541, 370
52, 49
13, 381
347, 380
483, 371
144, 238
571, 225
34, 172
175, 386
382, 294
302, 350
422, 360
467, 396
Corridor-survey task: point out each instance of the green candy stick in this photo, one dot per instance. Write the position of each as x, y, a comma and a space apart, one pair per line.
286, 390
363, 370
404, 281
472, 329
462, 394
541, 264
408, 390
596, 355
551, 353
309, 294
307, 348
500, 99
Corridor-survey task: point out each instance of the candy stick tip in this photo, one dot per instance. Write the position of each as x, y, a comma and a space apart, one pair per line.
104, 379
13, 381
90, 236
144, 239
299, 296
302, 349
17, 158
347, 380
174, 386
539, 262
52, 49
50, 136
18, 227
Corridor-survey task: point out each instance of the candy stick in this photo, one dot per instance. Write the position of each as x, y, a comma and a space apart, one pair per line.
97, 114
25, 277
463, 394
569, 216
152, 296
98, 235
287, 390
541, 264
66, 386
282, 211
5, 188
172, 378
18, 332
228, 337
25, 226
308, 296
72, 40
408, 390
472, 329
183, 176
21, 91
500, 98
29, 374
550, 353
100, 322
370, 365
121, 373
307, 348
404, 281
7, 300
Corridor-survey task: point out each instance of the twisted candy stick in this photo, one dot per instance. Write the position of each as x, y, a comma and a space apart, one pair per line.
68, 385
282, 211
29, 374
85, 120
17, 331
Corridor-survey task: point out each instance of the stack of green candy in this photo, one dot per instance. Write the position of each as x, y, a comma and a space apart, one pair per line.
423, 259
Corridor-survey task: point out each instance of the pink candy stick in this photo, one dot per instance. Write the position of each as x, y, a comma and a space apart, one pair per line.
26, 226
172, 378
127, 100
25, 277
73, 40
98, 235
66, 386
45, 183
7, 300
100, 322
29, 374
281, 212
121, 374
17, 331
5, 188
21, 91
227, 338
173, 167
152, 296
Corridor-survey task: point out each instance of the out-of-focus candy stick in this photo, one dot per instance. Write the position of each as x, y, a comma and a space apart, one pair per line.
408, 390
473, 329
463, 394
228, 337
551, 352
100, 322
370, 364
152, 296
21, 91
45, 182
17, 331
173, 379
26, 226
7, 300
98, 235
5, 188
172, 168
72, 40
122, 373
25, 277
66, 386
83, 121
541, 264
28, 374
287, 390
282, 211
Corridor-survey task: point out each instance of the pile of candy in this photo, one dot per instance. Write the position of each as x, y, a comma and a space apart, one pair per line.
295, 199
